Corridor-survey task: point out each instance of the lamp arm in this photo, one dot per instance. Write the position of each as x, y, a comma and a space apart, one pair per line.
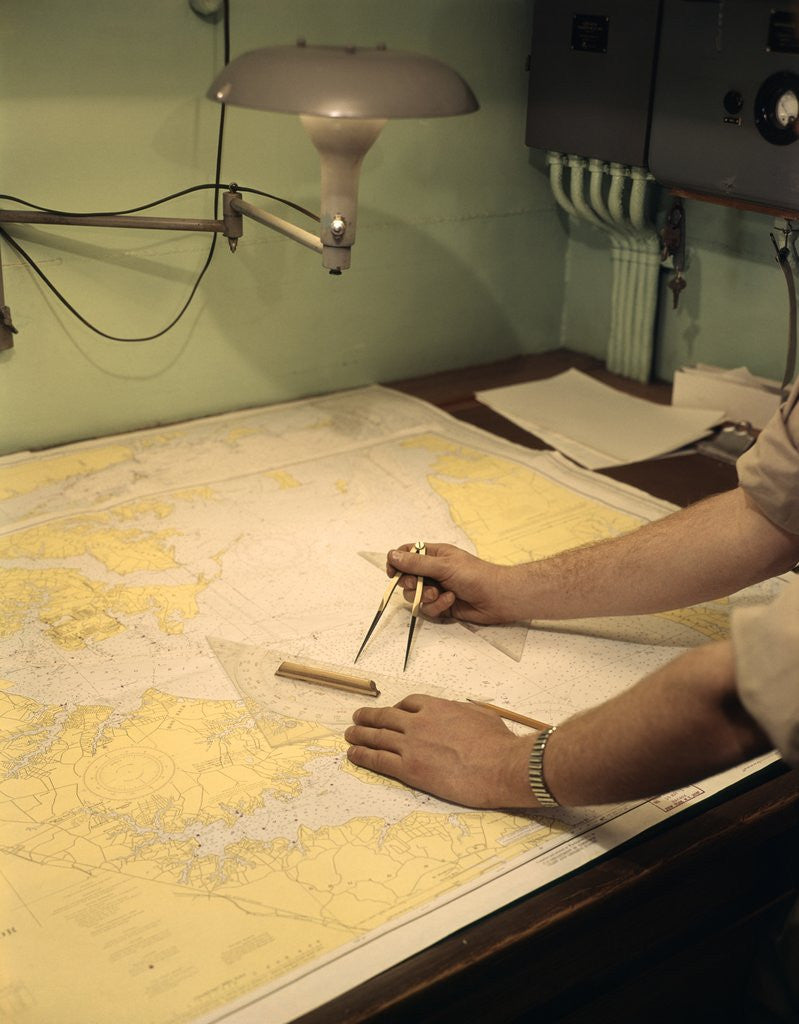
230, 226
121, 220
283, 227
112, 220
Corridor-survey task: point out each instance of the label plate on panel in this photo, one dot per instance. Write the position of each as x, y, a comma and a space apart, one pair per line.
590, 33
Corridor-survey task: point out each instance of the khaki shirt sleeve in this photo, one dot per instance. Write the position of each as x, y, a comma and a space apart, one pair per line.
769, 471
766, 645
766, 637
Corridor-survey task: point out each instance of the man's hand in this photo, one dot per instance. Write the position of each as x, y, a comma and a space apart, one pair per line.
673, 562
683, 722
466, 587
453, 750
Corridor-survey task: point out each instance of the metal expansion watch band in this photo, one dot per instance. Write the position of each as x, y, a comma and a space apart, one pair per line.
535, 770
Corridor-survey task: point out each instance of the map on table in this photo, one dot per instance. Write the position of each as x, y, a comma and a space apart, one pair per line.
181, 835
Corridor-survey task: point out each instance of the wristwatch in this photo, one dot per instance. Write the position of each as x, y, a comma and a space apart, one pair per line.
535, 770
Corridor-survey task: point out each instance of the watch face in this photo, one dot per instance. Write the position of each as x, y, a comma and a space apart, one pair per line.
786, 109
777, 108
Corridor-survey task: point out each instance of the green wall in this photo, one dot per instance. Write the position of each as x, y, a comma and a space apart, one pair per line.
733, 312
459, 257
462, 256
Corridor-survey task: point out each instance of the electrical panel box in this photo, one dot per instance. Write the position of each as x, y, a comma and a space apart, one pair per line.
591, 78
726, 105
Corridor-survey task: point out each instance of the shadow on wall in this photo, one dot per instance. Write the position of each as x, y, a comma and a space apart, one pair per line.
268, 324
418, 298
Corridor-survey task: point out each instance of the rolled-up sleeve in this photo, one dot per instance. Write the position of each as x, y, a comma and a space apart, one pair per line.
766, 644
769, 471
766, 637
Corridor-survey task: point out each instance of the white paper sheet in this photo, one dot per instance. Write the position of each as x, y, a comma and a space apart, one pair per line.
596, 425
741, 394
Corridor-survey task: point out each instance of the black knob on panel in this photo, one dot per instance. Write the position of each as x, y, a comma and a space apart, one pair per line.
733, 102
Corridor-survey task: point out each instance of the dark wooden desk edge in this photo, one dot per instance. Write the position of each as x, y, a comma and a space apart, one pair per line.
541, 955
681, 479
510, 963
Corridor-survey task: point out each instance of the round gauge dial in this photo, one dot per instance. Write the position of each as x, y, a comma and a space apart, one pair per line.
777, 108
786, 109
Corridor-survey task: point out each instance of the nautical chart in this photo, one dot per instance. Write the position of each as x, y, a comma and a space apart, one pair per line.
180, 830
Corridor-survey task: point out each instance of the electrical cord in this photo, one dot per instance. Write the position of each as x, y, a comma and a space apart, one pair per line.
217, 188
783, 259
14, 244
159, 202
92, 327
217, 176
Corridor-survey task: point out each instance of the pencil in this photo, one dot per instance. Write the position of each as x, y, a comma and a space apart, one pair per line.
512, 716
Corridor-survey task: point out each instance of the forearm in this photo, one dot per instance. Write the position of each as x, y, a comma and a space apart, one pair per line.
700, 553
682, 723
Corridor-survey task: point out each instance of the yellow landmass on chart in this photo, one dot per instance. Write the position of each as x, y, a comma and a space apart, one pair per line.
28, 476
160, 440
512, 514
362, 874
711, 620
120, 550
283, 479
76, 610
239, 433
82, 788
170, 798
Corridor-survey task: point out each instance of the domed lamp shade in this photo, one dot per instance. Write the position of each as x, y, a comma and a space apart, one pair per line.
344, 95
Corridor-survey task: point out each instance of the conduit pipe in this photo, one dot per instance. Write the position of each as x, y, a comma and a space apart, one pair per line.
598, 170
630, 351
593, 216
556, 162
634, 244
648, 258
577, 167
623, 257
639, 179
620, 249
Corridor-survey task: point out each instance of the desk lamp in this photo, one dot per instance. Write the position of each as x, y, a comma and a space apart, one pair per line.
343, 95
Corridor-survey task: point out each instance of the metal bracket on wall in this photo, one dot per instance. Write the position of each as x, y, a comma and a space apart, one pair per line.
7, 328
784, 255
672, 237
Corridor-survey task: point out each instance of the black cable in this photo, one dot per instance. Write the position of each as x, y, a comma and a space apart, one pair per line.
65, 302
221, 132
160, 202
783, 259
217, 187
157, 334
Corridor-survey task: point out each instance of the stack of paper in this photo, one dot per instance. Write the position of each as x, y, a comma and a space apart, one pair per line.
597, 425
741, 394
